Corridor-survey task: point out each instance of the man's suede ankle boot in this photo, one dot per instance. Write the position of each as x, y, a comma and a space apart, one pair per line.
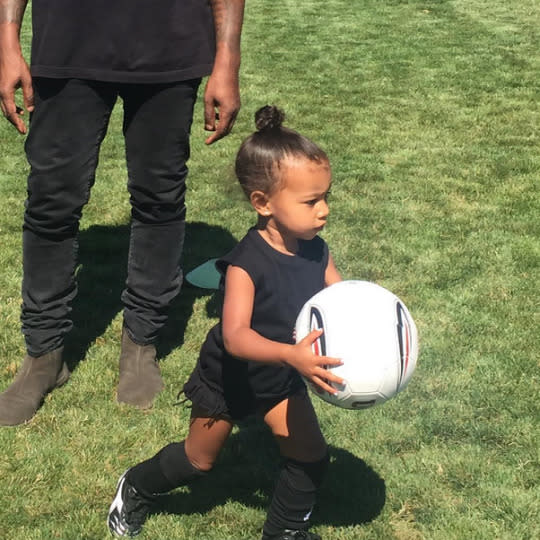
34, 380
140, 379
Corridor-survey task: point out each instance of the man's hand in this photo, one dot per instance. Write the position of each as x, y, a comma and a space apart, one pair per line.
221, 104
14, 74
222, 94
14, 71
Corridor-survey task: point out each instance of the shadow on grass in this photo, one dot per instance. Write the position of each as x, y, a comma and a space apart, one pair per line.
352, 492
101, 278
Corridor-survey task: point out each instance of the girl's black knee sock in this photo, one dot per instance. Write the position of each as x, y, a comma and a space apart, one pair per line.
168, 469
294, 496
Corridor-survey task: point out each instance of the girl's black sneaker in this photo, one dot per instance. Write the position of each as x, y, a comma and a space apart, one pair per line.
128, 510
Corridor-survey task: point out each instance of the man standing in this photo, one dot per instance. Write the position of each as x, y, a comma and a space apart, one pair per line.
85, 54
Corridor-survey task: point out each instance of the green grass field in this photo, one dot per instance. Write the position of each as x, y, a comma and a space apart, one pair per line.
430, 112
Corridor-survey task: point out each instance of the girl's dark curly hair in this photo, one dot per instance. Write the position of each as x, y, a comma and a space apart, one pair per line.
260, 156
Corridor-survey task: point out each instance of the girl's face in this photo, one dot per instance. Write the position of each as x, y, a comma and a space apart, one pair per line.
299, 209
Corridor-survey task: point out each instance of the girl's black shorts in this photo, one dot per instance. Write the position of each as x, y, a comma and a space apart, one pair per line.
231, 405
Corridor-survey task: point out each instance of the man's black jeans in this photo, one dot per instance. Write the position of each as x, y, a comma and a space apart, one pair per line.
66, 130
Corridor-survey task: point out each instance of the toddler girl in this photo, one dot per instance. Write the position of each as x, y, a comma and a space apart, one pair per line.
249, 363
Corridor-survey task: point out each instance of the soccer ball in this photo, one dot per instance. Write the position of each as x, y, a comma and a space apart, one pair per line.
372, 331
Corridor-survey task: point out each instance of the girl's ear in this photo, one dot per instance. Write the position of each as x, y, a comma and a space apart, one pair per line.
259, 201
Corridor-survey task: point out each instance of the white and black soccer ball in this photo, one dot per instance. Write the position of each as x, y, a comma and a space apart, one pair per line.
372, 331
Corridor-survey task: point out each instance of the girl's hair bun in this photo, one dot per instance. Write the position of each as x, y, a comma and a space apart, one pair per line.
269, 117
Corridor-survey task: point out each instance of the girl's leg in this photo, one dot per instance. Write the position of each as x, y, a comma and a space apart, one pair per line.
296, 429
174, 465
180, 463
295, 426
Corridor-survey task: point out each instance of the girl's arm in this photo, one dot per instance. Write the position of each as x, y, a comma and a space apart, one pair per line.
243, 342
331, 274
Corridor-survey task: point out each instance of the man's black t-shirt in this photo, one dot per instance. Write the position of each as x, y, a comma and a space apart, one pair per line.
132, 41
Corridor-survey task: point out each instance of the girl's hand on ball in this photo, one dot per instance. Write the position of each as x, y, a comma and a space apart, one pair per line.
312, 366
